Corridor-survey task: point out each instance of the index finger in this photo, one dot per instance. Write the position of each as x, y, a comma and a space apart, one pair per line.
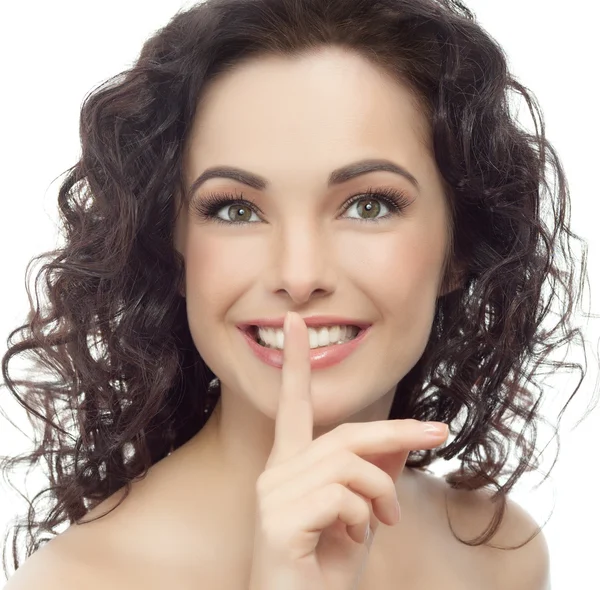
294, 420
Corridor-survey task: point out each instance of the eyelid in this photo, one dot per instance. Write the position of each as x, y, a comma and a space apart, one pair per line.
209, 205
394, 197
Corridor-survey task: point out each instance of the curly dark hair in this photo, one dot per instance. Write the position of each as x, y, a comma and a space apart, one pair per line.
128, 385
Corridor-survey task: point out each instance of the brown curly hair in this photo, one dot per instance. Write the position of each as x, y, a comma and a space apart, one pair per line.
128, 383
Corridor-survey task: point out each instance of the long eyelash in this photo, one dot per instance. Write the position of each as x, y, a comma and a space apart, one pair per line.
396, 200
212, 203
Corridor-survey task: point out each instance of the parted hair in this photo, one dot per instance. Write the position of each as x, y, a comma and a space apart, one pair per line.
127, 384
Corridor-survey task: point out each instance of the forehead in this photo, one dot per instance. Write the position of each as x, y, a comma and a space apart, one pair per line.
296, 119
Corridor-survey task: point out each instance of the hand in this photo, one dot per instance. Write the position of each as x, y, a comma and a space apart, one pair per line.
316, 498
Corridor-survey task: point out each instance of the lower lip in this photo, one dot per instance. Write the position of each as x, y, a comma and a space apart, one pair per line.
320, 358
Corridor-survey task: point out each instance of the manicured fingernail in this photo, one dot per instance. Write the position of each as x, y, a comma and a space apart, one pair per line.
286, 324
435, 428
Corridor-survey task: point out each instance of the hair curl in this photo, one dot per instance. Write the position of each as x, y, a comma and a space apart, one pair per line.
128, 383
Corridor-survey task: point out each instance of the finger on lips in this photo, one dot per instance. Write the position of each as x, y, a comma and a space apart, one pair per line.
294, 420
319, 468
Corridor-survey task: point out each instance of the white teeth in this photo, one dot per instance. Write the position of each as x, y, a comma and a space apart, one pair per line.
314, 338
278, 341
326, 336
323, 336
335, 333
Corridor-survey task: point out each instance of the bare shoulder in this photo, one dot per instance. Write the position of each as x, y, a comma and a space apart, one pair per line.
78, 558
471, 512
58, 565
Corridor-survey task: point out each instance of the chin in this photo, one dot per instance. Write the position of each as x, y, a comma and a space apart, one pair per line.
341, 405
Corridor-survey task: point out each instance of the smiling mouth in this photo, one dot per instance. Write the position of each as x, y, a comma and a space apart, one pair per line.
318, 338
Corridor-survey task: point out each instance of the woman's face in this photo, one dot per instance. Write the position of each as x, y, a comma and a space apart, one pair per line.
304, 246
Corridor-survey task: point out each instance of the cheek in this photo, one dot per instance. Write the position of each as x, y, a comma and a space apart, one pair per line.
402, 271
214, 280
403, 275
215, 266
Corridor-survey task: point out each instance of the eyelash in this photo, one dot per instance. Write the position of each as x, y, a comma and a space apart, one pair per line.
212, 203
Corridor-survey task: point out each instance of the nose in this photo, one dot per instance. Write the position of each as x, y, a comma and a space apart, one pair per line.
303, 266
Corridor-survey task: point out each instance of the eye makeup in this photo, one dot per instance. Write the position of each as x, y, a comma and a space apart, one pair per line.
208, 206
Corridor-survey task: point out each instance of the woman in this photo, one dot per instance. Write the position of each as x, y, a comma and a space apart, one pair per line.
354, 163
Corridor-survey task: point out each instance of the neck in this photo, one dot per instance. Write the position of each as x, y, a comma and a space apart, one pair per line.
240, 437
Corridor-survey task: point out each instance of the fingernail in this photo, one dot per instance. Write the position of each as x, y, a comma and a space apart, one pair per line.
435, 428
368, 536
286, 324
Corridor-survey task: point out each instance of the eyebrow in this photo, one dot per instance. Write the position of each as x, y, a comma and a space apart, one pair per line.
338, 176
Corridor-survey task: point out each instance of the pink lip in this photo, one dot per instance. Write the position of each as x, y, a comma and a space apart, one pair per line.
320, 358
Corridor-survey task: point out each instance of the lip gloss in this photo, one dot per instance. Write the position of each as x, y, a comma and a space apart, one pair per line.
320, 358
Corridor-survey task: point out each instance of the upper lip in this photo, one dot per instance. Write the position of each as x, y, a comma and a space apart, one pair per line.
313, 320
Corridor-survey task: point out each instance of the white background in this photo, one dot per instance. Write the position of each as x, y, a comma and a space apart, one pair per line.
54, 53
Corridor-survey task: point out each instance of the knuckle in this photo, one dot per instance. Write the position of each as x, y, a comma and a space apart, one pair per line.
395, 431
365, 511
415, 424
271, 523
343, 458
344, 428
263, 509
404, 423
340, 431
360, 508
263, 484
390, 434
390, 482
333, 492
335, 438
271, 530
391, 486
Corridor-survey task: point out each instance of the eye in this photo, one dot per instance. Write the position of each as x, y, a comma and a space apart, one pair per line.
226, 208
370, 203
237, 210
368, 208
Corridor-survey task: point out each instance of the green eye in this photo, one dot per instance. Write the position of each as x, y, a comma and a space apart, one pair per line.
238, 213
239, 210
367, 205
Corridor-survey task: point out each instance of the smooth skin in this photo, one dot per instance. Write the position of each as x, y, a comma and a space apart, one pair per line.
319, 502
191, 522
